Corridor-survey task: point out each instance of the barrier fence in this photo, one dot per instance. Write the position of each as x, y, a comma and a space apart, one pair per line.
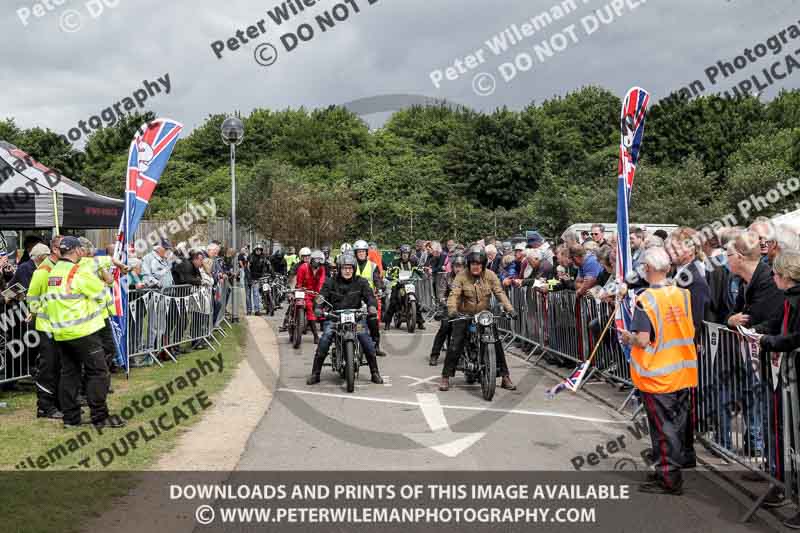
159, 321
746, 408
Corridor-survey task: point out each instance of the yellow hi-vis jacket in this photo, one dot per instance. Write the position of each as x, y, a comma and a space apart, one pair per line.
366, 273
74, 301
670, 363
94, 265
36, 296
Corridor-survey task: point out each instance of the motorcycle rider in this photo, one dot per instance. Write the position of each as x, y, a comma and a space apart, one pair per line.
278, 262
406, 262
471, 293
311, 276
457, 265
345, 291
369, 271
291, 259
258, 266
327, 264
305, 257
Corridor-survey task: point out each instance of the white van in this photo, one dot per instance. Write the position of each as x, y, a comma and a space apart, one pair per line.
611, 228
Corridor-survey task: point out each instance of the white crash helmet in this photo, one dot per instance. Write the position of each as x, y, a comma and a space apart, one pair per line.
317, 258
346, 248
360, 245
305, 250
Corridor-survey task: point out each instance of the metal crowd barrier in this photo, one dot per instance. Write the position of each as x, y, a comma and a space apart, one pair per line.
18, 343
161, 320
745, 409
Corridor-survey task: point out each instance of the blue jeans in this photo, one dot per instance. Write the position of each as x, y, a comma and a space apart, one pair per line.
327, 336
253, 297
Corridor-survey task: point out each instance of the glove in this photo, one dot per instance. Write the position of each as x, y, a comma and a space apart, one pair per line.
511, 314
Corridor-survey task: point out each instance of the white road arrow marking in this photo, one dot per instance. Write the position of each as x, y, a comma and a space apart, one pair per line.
442, 439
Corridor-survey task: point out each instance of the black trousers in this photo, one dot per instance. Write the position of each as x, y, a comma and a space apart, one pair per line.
49, 374
444, 332
88, 352
458, 337
374, 330
668, 416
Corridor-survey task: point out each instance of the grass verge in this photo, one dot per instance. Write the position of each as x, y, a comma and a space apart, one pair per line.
76, 472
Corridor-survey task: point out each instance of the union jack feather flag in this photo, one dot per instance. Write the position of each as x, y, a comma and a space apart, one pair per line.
572, 382
634, 110
149, 152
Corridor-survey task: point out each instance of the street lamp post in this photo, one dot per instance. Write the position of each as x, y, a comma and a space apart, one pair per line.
233, 135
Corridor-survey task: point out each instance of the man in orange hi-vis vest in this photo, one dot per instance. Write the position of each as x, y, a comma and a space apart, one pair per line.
663, 368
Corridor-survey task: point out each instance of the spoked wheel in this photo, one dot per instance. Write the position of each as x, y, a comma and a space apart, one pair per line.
488, 371
411, 316
300, 326
350, 366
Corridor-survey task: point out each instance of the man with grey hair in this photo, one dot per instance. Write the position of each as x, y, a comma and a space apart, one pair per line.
664, 369
765, 229
494, 259
784, 238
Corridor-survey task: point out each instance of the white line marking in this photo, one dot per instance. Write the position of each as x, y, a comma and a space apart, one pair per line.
457, 407
419, 381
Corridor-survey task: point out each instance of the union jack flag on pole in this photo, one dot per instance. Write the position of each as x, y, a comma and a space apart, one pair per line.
634, 110
149, 152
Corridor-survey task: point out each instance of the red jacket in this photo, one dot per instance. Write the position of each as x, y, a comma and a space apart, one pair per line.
307, 279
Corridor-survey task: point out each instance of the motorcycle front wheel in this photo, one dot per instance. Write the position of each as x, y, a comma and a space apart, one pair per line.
488, 371
411, 317
300, 325
350, 366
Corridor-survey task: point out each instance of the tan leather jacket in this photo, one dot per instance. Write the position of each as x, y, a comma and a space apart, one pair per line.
471, 295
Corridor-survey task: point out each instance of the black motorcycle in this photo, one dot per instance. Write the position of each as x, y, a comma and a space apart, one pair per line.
479, 360
267, 291
280, 288
346, 354
407, 303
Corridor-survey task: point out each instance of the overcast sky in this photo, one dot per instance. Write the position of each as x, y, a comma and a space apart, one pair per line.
53, 78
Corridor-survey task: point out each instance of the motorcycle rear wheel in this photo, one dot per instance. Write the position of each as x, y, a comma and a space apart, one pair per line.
300, 326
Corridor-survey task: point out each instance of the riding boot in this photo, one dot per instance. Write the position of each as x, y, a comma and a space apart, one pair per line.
316, 368
373, 368
313, 326
378, 351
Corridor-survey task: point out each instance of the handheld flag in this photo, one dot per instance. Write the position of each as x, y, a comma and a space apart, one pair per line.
149, 152
634, 110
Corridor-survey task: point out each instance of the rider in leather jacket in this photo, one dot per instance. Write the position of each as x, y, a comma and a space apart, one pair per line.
470, 294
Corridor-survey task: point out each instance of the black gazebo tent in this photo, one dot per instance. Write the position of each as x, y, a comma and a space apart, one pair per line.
31, 195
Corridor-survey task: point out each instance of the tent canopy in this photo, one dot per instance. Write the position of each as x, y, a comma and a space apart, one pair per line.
27, 198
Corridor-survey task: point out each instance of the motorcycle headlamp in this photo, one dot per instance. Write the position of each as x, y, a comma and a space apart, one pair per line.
485, 318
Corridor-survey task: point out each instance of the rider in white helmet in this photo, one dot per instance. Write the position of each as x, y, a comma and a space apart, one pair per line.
369, 271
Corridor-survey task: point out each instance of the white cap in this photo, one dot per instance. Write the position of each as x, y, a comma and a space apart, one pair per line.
519, 246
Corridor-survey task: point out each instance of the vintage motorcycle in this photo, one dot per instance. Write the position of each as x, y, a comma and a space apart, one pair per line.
346, 353
267, 291
407, 303
297, 315
479, 359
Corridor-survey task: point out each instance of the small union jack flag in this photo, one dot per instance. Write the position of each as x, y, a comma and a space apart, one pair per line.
572, 382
